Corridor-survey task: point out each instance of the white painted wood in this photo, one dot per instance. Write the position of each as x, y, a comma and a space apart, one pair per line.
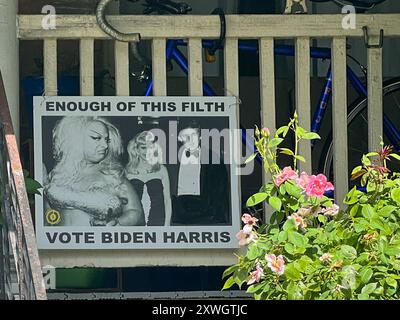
195, 58
159, 67
267, 97
87, 67
50, 67
231, 68
188, 26
131, 258
121, 68
303, 98
375, 100
339, 114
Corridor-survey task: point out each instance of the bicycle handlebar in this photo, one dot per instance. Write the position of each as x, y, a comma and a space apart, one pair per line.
110, 30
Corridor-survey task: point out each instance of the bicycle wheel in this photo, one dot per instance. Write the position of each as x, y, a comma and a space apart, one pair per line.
357, 126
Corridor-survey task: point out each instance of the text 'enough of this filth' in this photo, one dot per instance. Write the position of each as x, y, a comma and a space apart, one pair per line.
123, 106
138, 237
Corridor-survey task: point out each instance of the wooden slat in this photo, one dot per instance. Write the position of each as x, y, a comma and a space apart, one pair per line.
339, 114
267, 96
303, 98
231, 67
159, 67
87, 67
195, 67
188, 26
121, 68
50, 67
375, 100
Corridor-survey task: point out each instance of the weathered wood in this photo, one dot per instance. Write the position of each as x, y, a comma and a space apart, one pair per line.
121, 68
267, 96
339, 114
375, 99
195, 67
87, 67
50, 67
187, 26
159, 67
303, 98
231, 67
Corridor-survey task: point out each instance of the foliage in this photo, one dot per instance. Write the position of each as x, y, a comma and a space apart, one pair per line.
312, 250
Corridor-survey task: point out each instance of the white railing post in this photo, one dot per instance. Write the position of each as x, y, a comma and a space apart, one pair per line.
121, 50
87, 67
159, 67
195, 67
50, 67
339, 118
375, 99
303, 98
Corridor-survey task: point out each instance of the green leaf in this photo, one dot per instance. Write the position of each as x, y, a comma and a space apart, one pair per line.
274, 142
297, 239
348, 252
289, 248
293, 190
286, 151
292, 273
365, 275
252, 252
229, 271
32, 186
282, 130
392, 250
275, 203
377, 223
395, 155
367, 211
363, 296
301, 158
251, 158
255, 288
282, 236
386, 211
369, 288
391, 282
372, 154
356, 169
322, 218
256, 199
396, 195
289, 225
229, 283
311, 136
365, 160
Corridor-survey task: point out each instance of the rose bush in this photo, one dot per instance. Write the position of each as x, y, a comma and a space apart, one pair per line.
310, 249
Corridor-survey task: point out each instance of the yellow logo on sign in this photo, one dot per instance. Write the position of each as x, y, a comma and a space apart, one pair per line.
53, 216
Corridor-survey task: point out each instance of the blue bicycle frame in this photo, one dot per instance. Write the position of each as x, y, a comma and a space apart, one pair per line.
173, 53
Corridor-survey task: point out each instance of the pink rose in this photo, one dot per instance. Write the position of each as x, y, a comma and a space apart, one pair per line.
302, 181
245, 238
298, 220
276, 264
248, 219
317, 185
265, 131
331, 211
287, 174
256, 275
248, 228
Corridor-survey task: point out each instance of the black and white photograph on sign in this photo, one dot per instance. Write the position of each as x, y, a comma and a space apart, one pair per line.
135, 171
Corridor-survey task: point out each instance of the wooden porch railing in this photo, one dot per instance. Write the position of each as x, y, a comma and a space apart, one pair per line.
265, 28
20, 272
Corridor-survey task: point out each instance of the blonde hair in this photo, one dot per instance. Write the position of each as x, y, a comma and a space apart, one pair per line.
68, 149
154, 151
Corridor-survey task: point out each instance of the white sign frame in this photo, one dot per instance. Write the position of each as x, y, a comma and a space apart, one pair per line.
230, 111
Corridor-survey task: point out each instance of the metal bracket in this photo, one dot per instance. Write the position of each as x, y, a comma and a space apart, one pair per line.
366, 39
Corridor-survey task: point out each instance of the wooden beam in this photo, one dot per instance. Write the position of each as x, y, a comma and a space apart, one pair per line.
195, 67
87, 67
188, 26
50, 67
339, 114
159, 67
121, 68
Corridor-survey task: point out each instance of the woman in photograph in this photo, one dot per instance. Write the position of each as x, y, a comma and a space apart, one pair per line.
145, 169
87, 185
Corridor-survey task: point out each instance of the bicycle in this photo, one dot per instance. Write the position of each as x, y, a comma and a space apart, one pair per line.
357, 109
